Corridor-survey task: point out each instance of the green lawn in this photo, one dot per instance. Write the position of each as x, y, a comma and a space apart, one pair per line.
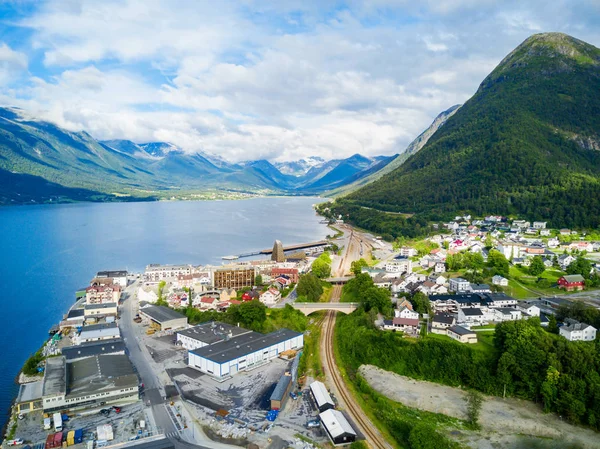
485, 340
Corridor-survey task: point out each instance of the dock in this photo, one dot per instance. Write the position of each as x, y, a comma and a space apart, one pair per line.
296, 247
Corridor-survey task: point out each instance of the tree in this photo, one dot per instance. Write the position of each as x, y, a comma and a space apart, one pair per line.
537, 266
423, 436
375, 298
252, 314
498, 263
309, 287
552, 325
258, 280
421, 303
161, 301
580, 266
357, 266
474, 400
321, 268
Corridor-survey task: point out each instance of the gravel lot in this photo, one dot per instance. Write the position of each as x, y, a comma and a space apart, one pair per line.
500, 418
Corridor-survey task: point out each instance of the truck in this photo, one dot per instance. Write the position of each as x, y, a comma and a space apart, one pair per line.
47, 423
57, 418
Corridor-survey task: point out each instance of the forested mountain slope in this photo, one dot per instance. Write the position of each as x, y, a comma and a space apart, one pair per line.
527, 143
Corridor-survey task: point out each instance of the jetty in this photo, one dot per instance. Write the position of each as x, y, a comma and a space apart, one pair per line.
295, 247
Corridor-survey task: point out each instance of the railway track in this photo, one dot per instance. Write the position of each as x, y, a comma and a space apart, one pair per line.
374, 438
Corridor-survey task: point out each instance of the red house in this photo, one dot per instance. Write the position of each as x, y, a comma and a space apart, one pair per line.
572, 282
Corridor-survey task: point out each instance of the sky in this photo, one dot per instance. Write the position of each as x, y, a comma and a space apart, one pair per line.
277, 80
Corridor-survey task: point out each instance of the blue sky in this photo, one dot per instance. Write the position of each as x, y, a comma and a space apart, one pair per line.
251, 79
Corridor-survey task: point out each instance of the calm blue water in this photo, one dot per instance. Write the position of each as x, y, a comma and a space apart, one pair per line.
48, 252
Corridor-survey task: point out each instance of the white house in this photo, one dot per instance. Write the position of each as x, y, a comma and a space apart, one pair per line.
565, 260
499, 280
529, 309
439, 280
553, 243
408, 252
470, 316
439, 267
459, 285
461, 334
545, 232
441, 322
147, 294
539, 224
506, 314
406, 312
270, 297
578, 332
399, 265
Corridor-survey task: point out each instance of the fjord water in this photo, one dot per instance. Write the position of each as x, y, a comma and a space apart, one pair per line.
50, 251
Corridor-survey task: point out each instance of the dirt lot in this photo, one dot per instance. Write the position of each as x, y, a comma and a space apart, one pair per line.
505, 422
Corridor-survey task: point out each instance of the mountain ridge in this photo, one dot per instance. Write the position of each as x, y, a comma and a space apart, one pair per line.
523, 144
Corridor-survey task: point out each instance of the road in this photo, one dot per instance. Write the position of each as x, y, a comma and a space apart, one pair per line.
356, 248
154, 389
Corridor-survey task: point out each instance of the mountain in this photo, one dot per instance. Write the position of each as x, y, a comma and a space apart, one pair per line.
299, 167
399, 159
527, 143
40, 161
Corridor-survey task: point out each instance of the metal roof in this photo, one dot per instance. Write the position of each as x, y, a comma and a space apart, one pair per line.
281, 388
336, 423
213, 332
242, 345
106, 305
30, 392
321, 394
461, 330
161, 314
111, 274
54, 376
100, 373
94, 348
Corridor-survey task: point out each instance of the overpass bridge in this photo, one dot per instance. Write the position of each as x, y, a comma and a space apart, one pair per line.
339, 280
310, 307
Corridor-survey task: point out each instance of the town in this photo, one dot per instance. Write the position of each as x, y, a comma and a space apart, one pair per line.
214, 355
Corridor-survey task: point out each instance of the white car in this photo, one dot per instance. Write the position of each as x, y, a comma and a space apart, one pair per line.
16, 442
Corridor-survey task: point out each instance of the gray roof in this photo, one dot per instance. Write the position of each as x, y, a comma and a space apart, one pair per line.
460, 330
161, 314
75, 313
30, 392
446, 318
94, 348
475, 311
213, 332
574, 278
111, 274
336, 423
98, 327
480, 287
577, 327
281, 388
106, 305
234, 348
54, 376
101, 373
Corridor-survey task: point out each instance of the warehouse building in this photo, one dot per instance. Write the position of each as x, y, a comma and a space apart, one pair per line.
89, 382
162, 318
98, 332
115, 277
208, 334
113, 346
321, 396
100, 310
30, 397
338, 428
281, 392
227, 358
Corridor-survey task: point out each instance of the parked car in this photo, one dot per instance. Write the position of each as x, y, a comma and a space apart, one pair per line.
15, 442
313, 423
105, 411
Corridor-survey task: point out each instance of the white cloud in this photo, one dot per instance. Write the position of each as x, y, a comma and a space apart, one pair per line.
273, 80
12, 64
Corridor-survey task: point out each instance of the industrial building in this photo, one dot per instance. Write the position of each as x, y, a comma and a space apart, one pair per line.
98, 332
321, 396
88, 382
227, 358
207, 334
116, 277
281, 392
234, 277
163, 318
113, 346
337, 427
29, 398
99, 310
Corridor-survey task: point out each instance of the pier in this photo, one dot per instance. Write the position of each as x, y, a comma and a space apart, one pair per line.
296, 247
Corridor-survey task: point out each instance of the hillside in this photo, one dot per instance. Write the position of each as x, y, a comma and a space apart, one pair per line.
526, 143
398, 160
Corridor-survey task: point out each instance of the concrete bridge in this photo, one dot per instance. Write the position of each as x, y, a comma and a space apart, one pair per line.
339, 280
309, 307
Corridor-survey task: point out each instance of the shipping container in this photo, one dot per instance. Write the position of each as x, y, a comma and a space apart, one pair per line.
58, 437
50, 441
78, 436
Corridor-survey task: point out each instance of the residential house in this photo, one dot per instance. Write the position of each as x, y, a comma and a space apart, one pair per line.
545, 232
382, 281
437, 279
406, 312
472, 316
461, 334
553, 243
539, 224
438, 289
511, 249
290, 273
506, 314
400, 264
571, 282
208, 303
578, 332
582, 246
498, 300
427, 287
409, 325
459, 285
529, 309
565, 232
441, 322
439, 267
408, 252
102, 294
499, 280
270, 297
